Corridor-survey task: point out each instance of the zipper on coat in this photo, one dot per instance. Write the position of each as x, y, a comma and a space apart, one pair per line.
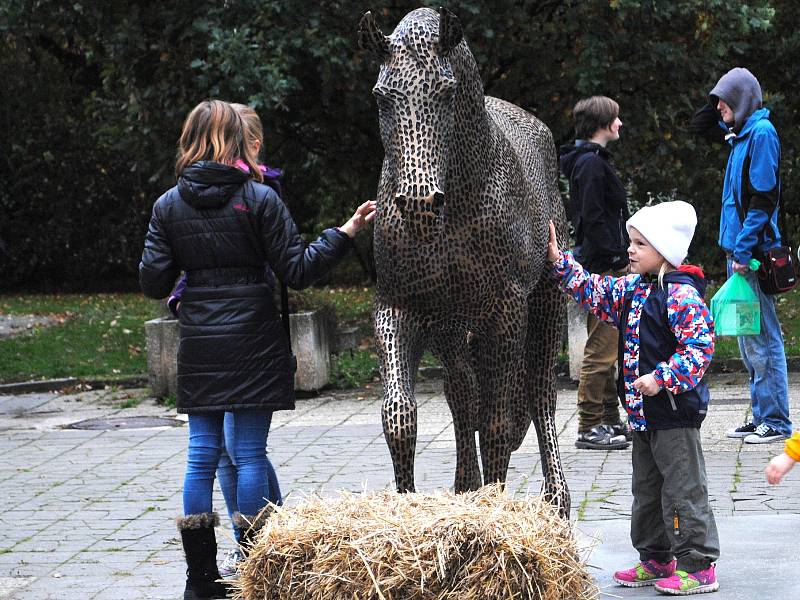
676, 522
671, 400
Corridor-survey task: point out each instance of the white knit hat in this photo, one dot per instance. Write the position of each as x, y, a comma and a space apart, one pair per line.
668, 227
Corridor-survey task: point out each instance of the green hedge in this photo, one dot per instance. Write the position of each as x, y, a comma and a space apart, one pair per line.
94, 94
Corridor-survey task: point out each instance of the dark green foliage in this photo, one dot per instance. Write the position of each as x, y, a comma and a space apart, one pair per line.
353, 368
94, 94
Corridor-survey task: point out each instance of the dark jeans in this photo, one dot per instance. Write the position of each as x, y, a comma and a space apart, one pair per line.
671, 515
250, 429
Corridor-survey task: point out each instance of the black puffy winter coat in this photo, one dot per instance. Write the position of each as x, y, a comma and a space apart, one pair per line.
221, 228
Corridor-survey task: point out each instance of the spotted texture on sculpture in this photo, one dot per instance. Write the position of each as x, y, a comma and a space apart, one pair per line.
467, 187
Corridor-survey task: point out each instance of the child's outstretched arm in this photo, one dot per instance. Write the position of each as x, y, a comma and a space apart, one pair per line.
783, 463
600, 295
690, 321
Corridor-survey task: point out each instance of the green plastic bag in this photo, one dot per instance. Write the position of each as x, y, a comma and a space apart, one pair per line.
736, 309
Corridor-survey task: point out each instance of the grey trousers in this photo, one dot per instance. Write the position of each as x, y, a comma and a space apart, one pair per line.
671, 516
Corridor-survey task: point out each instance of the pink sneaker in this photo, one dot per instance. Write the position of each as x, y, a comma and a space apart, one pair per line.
646, 572
684, 584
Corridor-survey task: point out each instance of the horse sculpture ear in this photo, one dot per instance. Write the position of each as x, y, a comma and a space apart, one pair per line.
371, 38
450, 32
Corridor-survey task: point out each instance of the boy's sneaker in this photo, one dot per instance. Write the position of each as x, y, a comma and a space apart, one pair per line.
228, 570
741, 432
621, 428
763, 435
646, 572
685, 584
601, 437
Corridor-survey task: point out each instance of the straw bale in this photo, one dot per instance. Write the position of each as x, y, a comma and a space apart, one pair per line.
389, 546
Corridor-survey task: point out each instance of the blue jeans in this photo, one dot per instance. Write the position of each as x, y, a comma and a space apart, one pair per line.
765, 360
206, 439
226, 472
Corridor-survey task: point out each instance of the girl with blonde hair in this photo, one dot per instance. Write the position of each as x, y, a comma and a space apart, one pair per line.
221, 226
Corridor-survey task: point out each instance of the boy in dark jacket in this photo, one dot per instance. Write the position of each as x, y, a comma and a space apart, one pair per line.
598, 211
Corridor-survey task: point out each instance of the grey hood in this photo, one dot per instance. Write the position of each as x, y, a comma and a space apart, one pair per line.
740, 90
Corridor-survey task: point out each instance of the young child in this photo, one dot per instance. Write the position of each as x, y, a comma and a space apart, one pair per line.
226, 469
783, 463
666, 344
221, 225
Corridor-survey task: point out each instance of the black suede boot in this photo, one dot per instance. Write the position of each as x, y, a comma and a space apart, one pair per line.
249, 526
200, 547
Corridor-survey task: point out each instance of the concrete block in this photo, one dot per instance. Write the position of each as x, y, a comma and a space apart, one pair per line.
344, 338
311, 347
310, 344
576, 338
162, 337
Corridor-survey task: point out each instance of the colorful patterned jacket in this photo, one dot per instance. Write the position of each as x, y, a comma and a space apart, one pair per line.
667, 332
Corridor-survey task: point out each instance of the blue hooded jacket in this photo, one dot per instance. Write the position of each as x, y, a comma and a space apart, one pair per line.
750, 196
752, 186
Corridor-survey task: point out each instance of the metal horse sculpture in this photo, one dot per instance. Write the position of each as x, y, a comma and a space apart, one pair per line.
466, 191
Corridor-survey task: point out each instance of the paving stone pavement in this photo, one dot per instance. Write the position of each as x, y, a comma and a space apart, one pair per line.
90, 513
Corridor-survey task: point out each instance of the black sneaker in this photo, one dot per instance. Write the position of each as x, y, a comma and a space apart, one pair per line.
621, 428
763, 435
601, 437
741, 432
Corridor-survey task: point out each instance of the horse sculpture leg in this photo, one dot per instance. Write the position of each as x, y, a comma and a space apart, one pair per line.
399, 344
542, 347
461, 392
502, 390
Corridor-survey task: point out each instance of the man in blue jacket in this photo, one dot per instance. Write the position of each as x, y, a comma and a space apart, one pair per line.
749, 227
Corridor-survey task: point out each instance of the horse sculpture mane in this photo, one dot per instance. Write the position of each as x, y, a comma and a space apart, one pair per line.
467, 187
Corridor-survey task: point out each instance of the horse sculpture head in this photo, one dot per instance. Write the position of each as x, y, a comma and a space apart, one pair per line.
415, 93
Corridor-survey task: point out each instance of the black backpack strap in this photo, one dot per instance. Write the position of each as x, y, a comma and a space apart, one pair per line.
252, 227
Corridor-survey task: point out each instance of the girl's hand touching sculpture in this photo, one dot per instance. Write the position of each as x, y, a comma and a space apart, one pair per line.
363, 215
